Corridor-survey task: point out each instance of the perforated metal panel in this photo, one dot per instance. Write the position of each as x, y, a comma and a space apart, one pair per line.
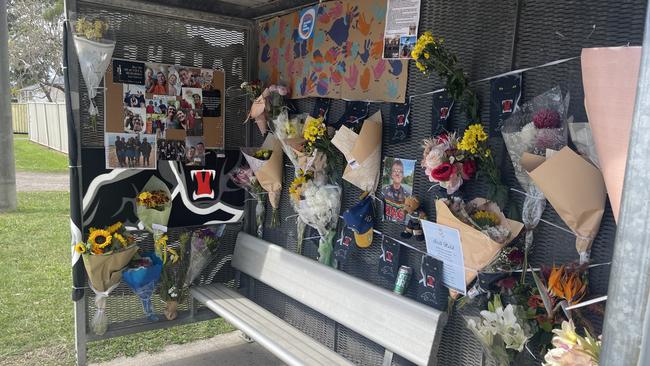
144, 37
484, 35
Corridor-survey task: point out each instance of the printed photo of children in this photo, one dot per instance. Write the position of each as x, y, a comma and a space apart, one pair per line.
397, 185
192, 98
195, 151
173, 82
206, 79
133, 95
130, 151
134, 120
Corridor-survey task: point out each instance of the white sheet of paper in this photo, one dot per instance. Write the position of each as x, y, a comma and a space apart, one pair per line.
444, 244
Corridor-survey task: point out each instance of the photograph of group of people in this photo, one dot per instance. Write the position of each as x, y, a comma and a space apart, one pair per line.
188, 152
161, 79
130, 150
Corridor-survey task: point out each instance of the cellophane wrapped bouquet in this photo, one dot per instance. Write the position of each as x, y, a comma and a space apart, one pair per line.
94, 52
502, 330
172, 278
106, 252
267, 106
142, 276
244, 177
318, 205
202, 249
445, 164
538, 126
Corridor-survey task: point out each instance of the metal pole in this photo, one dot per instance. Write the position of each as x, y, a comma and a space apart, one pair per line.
626, 335
7, 163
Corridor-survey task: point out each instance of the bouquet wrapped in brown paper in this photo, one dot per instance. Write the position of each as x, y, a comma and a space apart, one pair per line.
576, 190
362, 152
106, 252
484, 230
266, 163
609, 77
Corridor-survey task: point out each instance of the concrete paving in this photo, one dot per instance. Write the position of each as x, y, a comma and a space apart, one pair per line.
31, 182
224, 350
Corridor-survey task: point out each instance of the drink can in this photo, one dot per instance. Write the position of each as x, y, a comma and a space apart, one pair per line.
403, 278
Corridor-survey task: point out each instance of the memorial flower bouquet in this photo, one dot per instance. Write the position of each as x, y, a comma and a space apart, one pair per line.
202, 249
502, 330
244, 177
267, 165
253, 89
268, 106
572, 349
94, 52
445, 164
318, 205
173, 274
142, 275
105, 253
537, 126
289, 129
153, 205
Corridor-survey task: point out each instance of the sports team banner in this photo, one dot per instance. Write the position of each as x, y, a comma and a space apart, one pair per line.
342, 59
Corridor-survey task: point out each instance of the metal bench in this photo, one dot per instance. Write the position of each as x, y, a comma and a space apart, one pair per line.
399, 324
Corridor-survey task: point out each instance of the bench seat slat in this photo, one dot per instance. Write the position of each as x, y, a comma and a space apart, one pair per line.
283, 340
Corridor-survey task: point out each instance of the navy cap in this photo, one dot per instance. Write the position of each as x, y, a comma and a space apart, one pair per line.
359, 218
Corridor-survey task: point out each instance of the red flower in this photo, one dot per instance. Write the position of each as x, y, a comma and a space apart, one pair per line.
469, 168
507, 283
546, 118
516, 256
442, 172
442, 138
535, 301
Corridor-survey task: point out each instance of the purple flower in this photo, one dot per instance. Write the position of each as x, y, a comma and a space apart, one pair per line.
546, 118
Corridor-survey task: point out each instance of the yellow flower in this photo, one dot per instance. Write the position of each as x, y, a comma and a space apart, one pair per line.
121, 239
426, 55
115, 227
314, 129
486, 218
100, 239
144, 196
174, 255
474, 134
80, 248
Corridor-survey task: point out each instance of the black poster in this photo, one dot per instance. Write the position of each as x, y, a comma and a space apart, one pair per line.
389, 260
400, 126
128, 72
212, 103
344, 246
321, 108
505, 93
442, 108
430, 290
354, 115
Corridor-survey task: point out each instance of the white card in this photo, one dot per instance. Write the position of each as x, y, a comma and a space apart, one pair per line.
444, 244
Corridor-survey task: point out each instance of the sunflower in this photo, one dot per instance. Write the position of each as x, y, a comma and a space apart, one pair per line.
114, 228
100, 239
80, 248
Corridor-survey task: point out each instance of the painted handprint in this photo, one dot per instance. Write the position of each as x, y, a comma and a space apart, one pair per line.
326, 15
337, 72
340, 30
392, 89
378, 69
366, 51
352, 77
318, 61
322, 87
364, 82
332, 55
265, 54
376, 50
396, 67
364, 26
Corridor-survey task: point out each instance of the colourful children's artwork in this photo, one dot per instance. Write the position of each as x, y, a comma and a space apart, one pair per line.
343, 58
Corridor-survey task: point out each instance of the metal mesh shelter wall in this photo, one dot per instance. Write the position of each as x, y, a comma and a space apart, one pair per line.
489, 38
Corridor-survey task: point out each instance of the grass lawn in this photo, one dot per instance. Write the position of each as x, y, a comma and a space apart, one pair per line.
36, 312
33, 157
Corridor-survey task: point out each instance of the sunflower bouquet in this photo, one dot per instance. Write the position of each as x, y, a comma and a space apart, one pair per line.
172, 277
153, 205
106, 252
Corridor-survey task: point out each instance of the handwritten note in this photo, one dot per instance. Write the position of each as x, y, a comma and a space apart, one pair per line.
444, 244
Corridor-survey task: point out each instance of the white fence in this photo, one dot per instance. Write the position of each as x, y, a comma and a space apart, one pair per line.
48, 125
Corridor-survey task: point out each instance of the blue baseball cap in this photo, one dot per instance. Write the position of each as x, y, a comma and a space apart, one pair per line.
359, 218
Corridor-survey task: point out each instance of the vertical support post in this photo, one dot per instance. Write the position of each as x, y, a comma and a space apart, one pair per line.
80, 339
7, 162
626, 335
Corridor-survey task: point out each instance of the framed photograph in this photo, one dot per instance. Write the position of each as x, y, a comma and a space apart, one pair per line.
130, 150
396, 185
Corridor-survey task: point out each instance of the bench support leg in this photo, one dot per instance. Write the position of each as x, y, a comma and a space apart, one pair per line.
388, 358
245, 337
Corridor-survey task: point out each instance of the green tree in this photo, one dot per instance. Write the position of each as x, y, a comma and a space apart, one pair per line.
35, 44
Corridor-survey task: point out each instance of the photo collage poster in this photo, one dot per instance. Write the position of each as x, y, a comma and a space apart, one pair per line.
396, 185
178, 109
